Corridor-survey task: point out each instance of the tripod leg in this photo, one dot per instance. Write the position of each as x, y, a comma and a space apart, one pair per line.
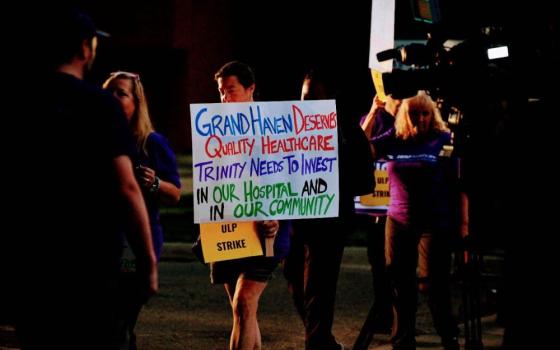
471, 302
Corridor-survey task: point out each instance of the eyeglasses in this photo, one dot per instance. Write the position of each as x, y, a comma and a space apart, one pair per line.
121, 73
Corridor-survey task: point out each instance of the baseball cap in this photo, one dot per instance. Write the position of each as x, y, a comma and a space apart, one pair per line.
64, 30
79, 24
75, 24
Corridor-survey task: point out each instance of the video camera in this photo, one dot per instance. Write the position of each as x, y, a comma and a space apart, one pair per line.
474, 87
447, 72
468, 81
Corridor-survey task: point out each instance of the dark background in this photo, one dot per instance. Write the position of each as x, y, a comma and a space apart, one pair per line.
177, 46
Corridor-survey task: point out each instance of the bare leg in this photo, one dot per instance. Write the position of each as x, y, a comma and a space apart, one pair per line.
245, 334
258, 342
230, 290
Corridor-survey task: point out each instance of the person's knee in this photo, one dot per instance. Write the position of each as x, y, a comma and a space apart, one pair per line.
245, 306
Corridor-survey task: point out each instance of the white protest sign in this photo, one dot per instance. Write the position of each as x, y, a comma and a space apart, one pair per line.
264, 160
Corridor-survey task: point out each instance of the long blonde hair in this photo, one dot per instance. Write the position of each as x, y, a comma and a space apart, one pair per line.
140, 123
404, 127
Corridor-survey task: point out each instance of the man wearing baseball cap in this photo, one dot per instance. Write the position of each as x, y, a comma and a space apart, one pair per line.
75, 163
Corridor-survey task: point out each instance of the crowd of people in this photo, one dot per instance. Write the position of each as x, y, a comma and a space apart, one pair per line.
113, 230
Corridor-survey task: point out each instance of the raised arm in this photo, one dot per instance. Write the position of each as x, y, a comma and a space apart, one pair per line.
382, 143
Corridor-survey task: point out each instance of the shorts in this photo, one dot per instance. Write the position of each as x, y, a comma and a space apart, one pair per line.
257, 268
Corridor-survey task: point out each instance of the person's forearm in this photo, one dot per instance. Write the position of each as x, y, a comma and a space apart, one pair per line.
168, 193
138, 233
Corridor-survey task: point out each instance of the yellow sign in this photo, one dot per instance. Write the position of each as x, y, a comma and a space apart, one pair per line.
229, 240
377, 77
380, 196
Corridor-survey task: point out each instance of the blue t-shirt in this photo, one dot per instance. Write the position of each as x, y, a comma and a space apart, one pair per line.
162, 160
418, 192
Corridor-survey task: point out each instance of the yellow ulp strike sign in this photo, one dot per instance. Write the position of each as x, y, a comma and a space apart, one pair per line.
380, 196
377, 77
229, 240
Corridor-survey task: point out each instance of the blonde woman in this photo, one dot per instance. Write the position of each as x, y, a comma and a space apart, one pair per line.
422, 217
157, 174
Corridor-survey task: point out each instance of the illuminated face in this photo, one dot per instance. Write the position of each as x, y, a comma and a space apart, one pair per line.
231, 90
121, 88
421, 118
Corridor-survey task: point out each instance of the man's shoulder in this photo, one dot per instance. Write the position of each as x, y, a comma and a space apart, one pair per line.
82, 91
98, 96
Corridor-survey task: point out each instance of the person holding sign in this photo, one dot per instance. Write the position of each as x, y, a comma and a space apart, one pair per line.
245, 279
420, 219
158, 176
